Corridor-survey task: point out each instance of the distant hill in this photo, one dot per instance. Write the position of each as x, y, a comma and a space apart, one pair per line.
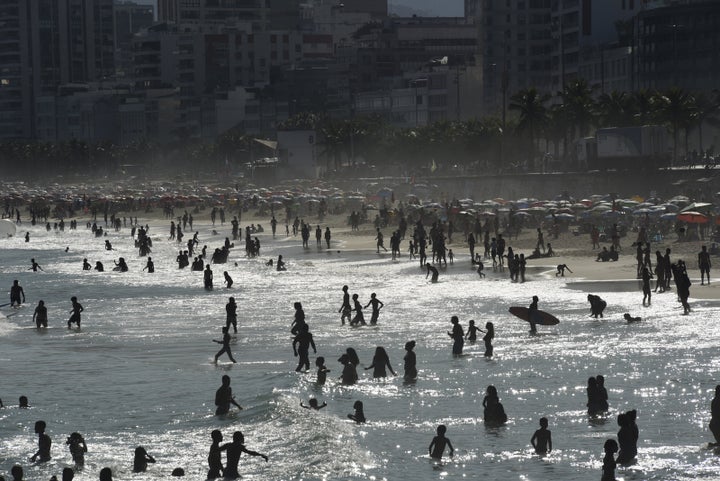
429, 8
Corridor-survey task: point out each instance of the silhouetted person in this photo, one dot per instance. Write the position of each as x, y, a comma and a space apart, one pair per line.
488, 338
313, 404
457, 335
100, 268
40, 316
298, 320
542, 439
533, 314
704, 265
121, 265
301, 347
346, 308
438, 444
23, 402
86, 265
434, 271
597, 305
494, 412
234, 450
561, 268
215, 467
141, 460
715, 415
224, 397
225, 345
231, 314
17, 470
631, 319
106, 474
321, 371
77, 308
280, 264
228, 279
472, 331
34, 266
78, 448
349, 374
359, 415
379, 362
626, 439
149, 266
359, 318
44, 444
646, 275
208, 278
602, 392
376, 306
68, 474
609, 463
410, 359
16, 293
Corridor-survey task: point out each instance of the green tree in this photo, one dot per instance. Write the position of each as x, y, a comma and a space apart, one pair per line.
676, 110
532, 112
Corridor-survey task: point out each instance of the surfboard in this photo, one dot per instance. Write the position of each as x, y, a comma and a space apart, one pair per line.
541, 317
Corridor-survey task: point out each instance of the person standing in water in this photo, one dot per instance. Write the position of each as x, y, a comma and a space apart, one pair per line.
533, 314
346, 308
438, 444
457, 335
40, 316
301, 348
542, 438
434, 271
34, 266
231, 314
208, 278
44, 444
225, 346
376, 306
77, 308
380, 360
234, 450
16, 291
359, 318
410, 359
215, 467
704, 265
715, 415
224, 397
488, 338
228, 279
149, 266
359, 415
141, 460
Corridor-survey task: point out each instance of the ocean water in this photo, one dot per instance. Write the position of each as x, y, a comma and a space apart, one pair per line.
140, 370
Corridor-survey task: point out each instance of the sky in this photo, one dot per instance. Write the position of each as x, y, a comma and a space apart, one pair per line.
446, 8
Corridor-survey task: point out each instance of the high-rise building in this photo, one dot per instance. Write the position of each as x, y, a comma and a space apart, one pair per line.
130, 18
47, 43
261, 14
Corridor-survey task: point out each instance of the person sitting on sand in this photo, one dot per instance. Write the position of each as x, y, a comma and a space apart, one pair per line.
603, 256
631, 319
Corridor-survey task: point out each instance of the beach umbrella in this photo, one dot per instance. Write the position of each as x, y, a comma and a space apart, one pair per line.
698, 207
668, 216
642, 211
613, 214
521, 213
691, 217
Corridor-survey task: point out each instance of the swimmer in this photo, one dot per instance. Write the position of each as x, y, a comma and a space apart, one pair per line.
313, 404
542, 439
224, 397
359, 415
77, 308
225, 346
561, 268
86, 265
120, 265
208, 278
141, 460
437, 446
16, 291
269, 263
472, 331
44, 443
23, 402
457, 335
40, 316
631, 319
149, 266
234, 450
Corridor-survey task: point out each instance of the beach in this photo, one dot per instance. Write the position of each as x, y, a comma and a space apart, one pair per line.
140, 370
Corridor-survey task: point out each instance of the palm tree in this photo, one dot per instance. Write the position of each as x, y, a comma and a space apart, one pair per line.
676, 109
532, 112
645, 104
615, 109
579, 106
707, 110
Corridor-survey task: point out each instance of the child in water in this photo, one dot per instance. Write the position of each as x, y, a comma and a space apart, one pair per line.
472, 331
322, 370
609, 464
77, 447
228, 279
488, 338
542, 439
437, 446
359, 415
141, 460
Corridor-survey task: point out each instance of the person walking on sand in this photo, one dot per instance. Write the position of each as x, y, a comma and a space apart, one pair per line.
380, 241
704, 265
